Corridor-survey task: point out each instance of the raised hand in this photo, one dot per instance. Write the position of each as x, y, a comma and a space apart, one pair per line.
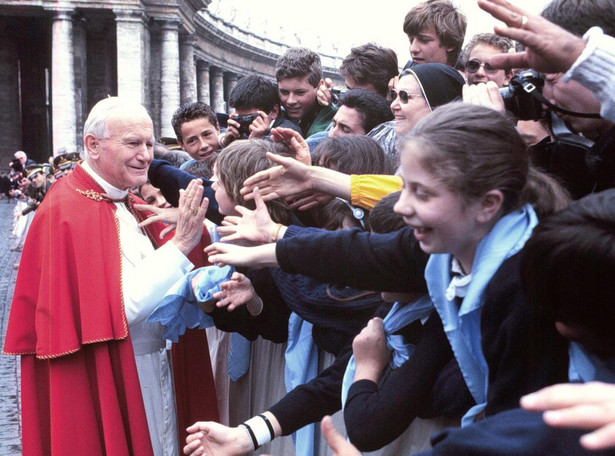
295, 142
252, 227
549, 48
191, 213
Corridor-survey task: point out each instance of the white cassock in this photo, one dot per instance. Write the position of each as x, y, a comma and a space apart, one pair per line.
147, 274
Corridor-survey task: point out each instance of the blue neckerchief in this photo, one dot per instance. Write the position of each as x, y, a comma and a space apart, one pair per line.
400, 316
301, 366
179, 308
586, 366
462, 324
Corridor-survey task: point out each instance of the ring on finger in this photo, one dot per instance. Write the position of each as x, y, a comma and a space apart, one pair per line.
523, 21
194, 210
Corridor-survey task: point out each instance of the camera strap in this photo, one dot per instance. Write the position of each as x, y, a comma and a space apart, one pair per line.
530, 88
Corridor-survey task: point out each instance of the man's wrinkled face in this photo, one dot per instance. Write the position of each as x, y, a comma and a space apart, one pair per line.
298, 97
123, 156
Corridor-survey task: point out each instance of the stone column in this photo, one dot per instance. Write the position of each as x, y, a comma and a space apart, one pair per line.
80, 56
202, 82
10, 115
63, 81
217, 89
131, 68
231, 82
169, 77
188, 69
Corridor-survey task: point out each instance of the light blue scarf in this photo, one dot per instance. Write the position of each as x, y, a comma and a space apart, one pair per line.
400, 316
462, 324
179, 310
586, 366
301, 366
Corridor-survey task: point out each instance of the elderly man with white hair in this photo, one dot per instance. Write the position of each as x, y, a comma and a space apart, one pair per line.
96, 376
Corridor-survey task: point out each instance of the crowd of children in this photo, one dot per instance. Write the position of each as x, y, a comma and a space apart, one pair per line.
425, 280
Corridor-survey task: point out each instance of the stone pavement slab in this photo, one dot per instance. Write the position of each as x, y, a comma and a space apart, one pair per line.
10, 425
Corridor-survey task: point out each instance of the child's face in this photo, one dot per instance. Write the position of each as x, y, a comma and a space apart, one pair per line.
199, 138
298, 97
225, 205
443, 222
426, 47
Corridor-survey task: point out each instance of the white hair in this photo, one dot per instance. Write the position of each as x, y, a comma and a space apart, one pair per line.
96, 123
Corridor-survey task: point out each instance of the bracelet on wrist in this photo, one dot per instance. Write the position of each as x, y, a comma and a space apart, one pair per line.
260, 309
276, 233
260, 430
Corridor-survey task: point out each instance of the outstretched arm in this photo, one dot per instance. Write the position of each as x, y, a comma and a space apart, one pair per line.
293, 179
214, 439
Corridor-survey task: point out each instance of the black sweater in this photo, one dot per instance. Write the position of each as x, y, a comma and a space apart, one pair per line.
522, 353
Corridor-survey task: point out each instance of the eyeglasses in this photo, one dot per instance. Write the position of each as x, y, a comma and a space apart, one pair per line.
474, 65
404, 96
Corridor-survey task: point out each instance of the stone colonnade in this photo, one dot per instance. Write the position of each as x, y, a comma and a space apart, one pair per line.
161, 84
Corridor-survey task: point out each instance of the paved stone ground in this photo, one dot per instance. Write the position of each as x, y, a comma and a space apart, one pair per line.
10, 425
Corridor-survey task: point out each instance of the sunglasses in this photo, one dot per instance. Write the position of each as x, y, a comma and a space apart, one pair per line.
403, 95
474, 65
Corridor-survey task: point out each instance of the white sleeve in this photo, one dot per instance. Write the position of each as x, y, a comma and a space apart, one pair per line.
150, 279
595, 69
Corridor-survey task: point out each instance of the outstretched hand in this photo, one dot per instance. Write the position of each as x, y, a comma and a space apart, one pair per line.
235, 292
549, 48
166, 215
251, 227
295, 142
289, 179
261, 256
584, 406
214, 439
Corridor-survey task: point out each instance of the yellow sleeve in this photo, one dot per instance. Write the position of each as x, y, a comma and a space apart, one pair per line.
367, 189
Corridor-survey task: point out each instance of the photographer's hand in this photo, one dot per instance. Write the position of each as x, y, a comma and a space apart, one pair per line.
484, 94
231, 133
259, 128
323, 95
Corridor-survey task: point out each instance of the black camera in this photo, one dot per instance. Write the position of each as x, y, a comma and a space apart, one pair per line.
336, 92
16, 166
519, 98
244, 124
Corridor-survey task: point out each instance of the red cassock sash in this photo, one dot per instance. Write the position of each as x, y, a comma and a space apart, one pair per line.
80, 387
